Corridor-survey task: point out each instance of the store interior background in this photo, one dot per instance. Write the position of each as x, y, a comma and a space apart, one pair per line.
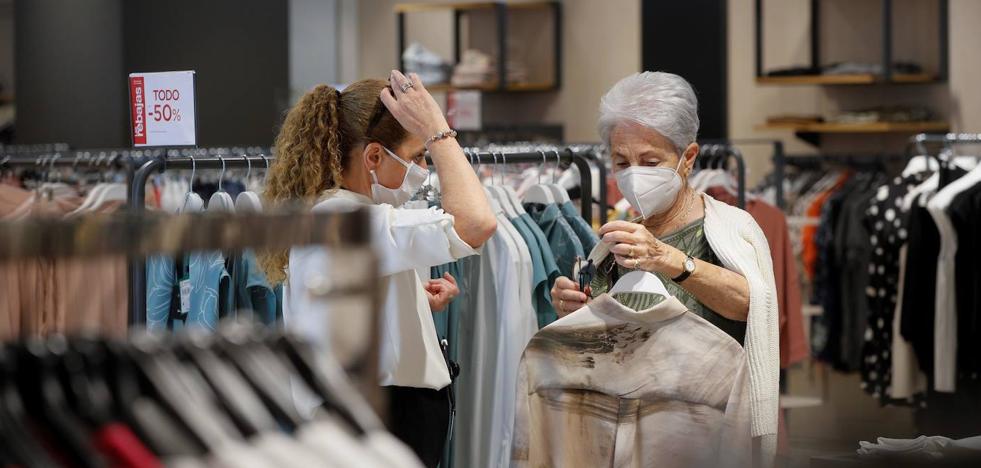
64, 65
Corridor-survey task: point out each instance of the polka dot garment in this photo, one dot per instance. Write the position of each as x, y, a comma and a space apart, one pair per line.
885, 220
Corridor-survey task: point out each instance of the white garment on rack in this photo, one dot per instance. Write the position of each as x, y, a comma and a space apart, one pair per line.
403, 240
907, 378
496, 333
945, 320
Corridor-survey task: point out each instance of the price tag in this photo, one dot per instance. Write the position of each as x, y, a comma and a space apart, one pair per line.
162, 108
463, 110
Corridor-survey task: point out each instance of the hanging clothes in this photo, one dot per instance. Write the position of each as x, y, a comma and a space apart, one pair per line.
586, 396
587, 236
562, 239
887, 221
793, 343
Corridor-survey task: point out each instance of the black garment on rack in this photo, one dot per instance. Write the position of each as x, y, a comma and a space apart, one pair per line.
964, 210
854, 251
826, 333
888, 225
920, 284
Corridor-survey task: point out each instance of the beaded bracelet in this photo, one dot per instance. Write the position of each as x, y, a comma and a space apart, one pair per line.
439, 136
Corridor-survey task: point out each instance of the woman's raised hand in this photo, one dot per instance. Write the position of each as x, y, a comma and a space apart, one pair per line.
412, 105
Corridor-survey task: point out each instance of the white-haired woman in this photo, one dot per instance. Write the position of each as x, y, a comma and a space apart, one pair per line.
711, 256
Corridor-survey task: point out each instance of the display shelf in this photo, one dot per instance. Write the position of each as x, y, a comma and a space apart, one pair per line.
857, 79
465, 6
492, 87
874, 127
545, 66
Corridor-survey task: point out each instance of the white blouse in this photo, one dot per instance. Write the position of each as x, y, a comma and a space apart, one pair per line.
405, 240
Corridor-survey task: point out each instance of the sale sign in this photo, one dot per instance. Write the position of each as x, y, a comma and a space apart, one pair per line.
162, 108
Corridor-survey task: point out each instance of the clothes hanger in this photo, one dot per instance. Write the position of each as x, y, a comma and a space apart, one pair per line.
221, 201
540, 193
46, 402
502, 196
509, 192
640, 281
248, 201
326, 377
93, 193
234, 394
89, 398
16, 435
180, 396
135, 397
561, 194
258, 370
193, 203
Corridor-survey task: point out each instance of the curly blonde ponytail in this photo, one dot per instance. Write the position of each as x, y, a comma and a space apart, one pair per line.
313, 145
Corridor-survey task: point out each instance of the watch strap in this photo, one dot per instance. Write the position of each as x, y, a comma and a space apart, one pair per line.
685, 273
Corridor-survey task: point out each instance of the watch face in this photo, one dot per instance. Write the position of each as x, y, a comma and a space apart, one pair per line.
689, 265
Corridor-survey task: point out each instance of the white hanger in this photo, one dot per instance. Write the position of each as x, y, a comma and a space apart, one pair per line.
499, 194
509, 192
112, 191
560, 193
640, 281
221, 201
248, 201
192, 201
93, 194
540, 193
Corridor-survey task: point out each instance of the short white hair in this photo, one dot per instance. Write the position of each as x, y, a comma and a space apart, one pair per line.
663, 102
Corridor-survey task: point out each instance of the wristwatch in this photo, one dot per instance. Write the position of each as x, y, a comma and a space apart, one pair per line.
689, 269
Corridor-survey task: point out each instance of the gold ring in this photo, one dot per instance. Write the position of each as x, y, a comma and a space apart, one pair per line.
561, 304
631, 252
636, 262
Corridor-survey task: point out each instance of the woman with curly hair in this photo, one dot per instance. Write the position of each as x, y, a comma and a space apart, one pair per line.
365, 146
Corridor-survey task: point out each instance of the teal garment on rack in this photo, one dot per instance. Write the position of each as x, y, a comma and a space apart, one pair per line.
587, 236
562, 239
253, 291
210, 291
544, 268
447, 328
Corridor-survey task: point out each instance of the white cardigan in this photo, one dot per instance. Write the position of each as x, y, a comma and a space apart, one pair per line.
741, 246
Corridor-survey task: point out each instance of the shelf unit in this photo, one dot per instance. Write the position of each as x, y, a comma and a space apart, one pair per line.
865, 79
501, 11
873, 127
858, 79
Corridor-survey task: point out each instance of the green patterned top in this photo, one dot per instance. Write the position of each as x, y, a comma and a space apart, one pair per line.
691, 240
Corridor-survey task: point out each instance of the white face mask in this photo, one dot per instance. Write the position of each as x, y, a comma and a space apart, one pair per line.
650, 190
415, 176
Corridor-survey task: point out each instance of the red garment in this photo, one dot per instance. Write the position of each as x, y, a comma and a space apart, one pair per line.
808, 233
793, 344
123, 449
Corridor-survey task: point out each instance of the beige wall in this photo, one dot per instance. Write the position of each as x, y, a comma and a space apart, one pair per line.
601, 44
965, 66
846, 37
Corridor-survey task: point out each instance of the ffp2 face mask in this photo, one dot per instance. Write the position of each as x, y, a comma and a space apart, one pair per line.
650, 190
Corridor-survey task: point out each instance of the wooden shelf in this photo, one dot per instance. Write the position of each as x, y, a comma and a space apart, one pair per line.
875, 127
492, 87
859, 79
463, 6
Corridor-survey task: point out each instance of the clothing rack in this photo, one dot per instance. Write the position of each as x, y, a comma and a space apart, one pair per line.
539, 155
139, 234
778, 157
717, 155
